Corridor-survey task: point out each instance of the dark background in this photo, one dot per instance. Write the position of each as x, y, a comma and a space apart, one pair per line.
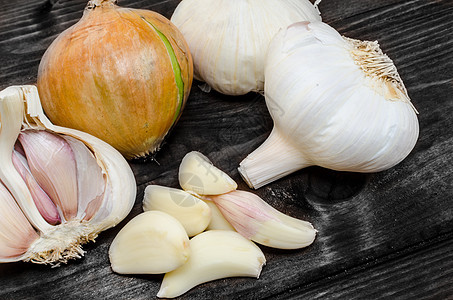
385, 235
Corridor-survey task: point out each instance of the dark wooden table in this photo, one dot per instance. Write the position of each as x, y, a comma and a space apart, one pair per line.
387, 235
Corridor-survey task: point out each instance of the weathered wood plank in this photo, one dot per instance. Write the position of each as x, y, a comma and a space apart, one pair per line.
383, 235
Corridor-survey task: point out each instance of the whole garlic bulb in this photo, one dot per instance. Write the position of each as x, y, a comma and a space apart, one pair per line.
336, 102
59, 187
228, 39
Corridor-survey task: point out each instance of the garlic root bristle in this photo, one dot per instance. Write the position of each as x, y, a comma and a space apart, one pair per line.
62, 243
375, 63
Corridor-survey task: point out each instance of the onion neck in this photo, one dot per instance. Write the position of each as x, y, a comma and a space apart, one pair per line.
274, 159
92, 4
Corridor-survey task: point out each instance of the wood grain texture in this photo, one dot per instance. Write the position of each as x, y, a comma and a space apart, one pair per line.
386, 235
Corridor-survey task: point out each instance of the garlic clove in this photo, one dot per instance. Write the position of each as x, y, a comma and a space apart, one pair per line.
90, 180
16, 232
215, 254
218, 221
44, 204
153, 242
53, 165
255, 219
198, 174
193, 213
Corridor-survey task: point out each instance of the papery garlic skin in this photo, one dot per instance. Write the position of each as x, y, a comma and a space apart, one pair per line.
193, 213
336, 103
258, 221
228, 39
215, 254
20, 111
152, 242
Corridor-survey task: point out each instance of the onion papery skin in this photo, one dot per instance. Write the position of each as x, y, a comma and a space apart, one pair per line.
120, 74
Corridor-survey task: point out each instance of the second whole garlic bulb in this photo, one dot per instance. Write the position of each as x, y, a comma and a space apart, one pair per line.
228, 39
59, 187
336, 102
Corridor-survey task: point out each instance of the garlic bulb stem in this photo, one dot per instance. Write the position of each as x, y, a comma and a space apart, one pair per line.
274, 159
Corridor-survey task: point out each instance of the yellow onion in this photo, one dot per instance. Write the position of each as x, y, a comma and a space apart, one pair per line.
121, 74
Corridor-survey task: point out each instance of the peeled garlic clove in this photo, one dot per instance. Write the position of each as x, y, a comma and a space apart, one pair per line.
215, 254
255, 219
82, 220
153, 242
198, 174
336, 102
218, 221
193, 213
228, 39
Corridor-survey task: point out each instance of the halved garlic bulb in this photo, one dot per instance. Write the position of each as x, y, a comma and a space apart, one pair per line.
336, 102
193, 213
228, 39
198, 175
59, 187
